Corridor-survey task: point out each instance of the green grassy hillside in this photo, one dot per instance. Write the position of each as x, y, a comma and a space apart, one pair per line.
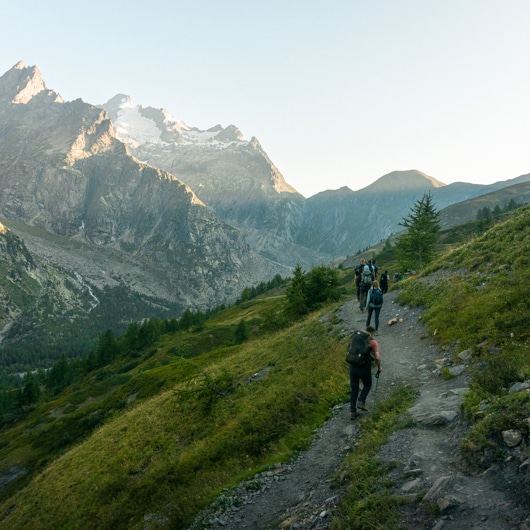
175, 427
163, 432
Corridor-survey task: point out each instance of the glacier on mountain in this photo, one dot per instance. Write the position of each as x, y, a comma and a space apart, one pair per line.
135, 126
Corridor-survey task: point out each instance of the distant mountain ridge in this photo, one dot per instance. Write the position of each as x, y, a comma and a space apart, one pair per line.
245, 189
232, 176
402, 181
467, 210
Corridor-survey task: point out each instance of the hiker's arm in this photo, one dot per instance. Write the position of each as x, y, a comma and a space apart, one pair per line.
378, 361
377, 357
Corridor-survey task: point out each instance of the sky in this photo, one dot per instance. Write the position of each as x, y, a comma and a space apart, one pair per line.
338, 92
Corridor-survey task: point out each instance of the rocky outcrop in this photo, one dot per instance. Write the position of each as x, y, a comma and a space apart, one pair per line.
19, 286
21, 84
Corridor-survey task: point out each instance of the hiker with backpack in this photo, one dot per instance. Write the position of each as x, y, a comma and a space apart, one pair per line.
375, 268
358, 271
362, 348
384, 282
374, 303
364, 282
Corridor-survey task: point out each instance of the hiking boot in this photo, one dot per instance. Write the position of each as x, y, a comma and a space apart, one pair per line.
362, 406
353, 415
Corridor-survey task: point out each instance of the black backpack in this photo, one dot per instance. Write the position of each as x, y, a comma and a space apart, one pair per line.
359, 349
376, 297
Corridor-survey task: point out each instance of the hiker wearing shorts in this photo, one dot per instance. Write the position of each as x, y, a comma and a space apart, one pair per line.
363, 374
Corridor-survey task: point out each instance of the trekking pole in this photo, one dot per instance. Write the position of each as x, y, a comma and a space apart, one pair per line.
378, 373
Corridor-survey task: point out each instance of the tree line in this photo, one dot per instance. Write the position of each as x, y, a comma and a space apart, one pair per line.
67, 370
486, 217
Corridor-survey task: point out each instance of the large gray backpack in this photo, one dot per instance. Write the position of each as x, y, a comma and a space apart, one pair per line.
366, 275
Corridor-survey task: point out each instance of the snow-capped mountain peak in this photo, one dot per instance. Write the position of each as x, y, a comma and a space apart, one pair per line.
136, 126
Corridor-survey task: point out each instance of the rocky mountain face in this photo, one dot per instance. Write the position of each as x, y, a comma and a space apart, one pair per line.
63, 170
83, 205
235, 178
18, 279
46, 307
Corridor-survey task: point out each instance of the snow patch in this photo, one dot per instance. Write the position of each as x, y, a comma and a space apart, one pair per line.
134, 129
131, 125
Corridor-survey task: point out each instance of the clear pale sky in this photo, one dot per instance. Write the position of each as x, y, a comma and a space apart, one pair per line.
338, 92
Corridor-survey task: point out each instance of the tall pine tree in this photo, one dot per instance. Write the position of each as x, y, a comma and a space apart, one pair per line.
416, 247
295, 293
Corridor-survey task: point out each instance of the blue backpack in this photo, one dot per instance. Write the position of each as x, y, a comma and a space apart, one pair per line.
376, 297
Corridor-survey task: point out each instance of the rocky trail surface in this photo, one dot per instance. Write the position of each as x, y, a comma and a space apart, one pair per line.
425, 460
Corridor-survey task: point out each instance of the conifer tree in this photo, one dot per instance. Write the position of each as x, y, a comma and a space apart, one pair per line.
31, 392
107, 348
58, 376
186, 320
323, 286
296, 294
416, 247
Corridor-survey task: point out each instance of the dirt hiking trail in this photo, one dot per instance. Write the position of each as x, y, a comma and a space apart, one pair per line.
302, 495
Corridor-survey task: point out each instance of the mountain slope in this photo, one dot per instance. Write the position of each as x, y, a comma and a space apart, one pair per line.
178, 430
19, 285
467, 210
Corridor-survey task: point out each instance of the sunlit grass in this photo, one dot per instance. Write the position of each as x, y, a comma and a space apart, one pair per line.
477, 298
